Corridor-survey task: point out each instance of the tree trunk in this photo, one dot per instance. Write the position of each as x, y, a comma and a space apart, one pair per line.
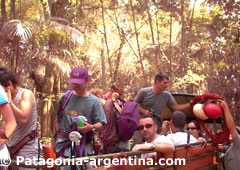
119, 49
170, 42
138, 45
190, 30
3, 10
152, 31
56, 91
13, 9
46, 10
15, 55
104, 86
45, 110
106, 42
183, 39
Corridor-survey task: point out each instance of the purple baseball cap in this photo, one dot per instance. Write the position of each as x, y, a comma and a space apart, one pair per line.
78, 75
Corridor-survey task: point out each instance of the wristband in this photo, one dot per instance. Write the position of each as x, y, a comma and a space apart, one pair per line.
153, 147
93, 129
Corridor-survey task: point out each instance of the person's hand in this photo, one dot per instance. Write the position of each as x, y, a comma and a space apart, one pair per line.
115, 96
147, 112
8, 93
165, 126
87, 128
223, 104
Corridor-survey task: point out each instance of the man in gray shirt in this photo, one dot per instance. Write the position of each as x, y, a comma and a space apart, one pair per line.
81, 103
156, 97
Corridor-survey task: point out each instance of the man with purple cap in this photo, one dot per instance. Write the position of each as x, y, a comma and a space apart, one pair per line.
81, 103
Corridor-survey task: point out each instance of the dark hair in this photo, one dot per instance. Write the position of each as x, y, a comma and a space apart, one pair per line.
114, 87
144, 116
197, 126
6, 76
160, 77
178, 119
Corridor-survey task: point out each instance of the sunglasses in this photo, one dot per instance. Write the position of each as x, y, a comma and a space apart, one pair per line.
147, 126
191, 128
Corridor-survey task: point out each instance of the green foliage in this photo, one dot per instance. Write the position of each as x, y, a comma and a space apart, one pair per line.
206, 59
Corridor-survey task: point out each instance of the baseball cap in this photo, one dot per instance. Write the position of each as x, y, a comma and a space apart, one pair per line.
78, 75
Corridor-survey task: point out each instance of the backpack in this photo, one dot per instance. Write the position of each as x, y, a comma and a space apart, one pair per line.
127, 123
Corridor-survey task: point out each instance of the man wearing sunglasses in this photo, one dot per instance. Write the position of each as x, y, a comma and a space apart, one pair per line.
177, 124
153, 141
154, 99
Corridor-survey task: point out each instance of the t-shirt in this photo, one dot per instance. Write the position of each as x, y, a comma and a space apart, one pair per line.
3, 97
232, 159
150, 100
88, 106
109, 132
180, 138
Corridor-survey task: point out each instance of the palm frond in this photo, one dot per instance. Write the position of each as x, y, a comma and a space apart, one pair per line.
17, 28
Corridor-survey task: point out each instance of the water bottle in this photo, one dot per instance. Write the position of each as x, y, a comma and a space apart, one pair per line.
79, 120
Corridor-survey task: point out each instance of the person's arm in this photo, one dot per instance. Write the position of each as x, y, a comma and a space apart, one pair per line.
180, 107
158, 147
9, 118
228, 118
144, 111
24, 111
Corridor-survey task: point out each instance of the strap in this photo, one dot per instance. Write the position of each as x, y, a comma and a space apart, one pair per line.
13, 150
116, 114
63, 105
188, 138
66, 99
117, 108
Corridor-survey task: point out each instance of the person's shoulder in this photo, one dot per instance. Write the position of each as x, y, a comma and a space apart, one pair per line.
145, 90
93, 98
160, 139
167, 93
27, 92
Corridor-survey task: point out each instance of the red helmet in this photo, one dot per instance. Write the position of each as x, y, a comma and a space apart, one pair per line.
213, 111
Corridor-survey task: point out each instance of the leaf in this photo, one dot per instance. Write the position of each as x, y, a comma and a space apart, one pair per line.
17, 28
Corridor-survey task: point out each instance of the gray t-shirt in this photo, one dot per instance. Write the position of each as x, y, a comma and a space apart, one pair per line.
232, 159
88, 106
149, 100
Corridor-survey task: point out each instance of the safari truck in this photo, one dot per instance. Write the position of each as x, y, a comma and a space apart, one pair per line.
204, 156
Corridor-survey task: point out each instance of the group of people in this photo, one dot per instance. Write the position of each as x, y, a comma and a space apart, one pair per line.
18, 106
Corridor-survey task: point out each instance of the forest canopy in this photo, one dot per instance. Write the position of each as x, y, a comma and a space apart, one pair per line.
196, 42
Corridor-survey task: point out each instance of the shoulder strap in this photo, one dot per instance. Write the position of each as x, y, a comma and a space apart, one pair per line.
64, 103
66, 98
117, 107
188, 138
